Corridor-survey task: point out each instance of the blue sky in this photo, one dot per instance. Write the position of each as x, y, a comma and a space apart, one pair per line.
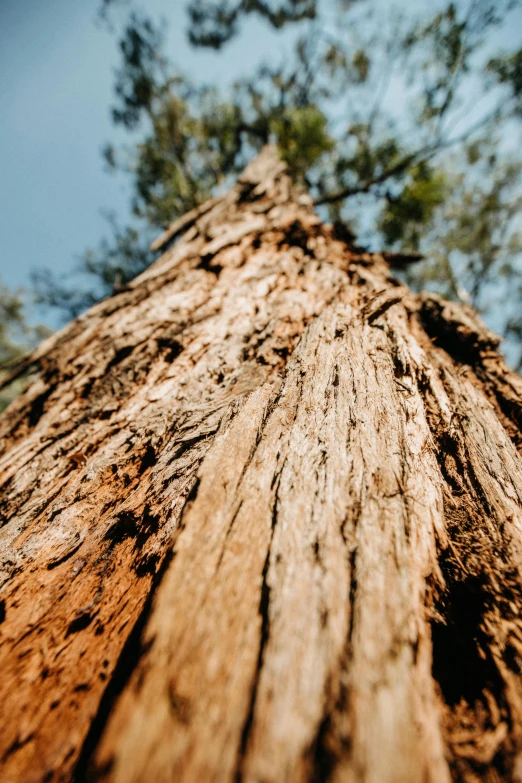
56, 76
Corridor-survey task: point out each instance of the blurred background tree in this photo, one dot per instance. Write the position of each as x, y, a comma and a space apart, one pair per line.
403, 124
16, 338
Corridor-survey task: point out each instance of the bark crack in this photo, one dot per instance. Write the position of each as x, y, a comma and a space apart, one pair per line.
264, 613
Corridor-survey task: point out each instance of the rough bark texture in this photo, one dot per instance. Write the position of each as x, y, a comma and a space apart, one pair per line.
262, 521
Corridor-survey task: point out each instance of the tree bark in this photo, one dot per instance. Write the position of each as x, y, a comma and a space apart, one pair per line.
262, 522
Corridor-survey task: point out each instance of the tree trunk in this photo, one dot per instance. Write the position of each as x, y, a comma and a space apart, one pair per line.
262, 522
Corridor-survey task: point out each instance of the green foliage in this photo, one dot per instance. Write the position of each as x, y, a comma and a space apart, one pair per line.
16, 338
302, 136
508, 70
361, 65
12, 325
141, 68
404, 217
212, 24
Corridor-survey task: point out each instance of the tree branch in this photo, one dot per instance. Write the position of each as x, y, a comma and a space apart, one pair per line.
424, 154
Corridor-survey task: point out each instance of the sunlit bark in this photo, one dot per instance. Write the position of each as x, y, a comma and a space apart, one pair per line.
262, 521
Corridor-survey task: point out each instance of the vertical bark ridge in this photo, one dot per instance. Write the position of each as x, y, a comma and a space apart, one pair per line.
264, 604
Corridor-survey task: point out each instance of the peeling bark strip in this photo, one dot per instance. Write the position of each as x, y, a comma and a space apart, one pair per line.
262, 521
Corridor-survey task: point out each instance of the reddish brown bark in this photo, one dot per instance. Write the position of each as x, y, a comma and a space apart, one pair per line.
262, 521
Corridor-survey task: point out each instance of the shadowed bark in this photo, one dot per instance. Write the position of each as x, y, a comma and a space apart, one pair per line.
262, 522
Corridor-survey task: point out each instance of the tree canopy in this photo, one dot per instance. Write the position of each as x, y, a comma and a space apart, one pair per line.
402, 125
